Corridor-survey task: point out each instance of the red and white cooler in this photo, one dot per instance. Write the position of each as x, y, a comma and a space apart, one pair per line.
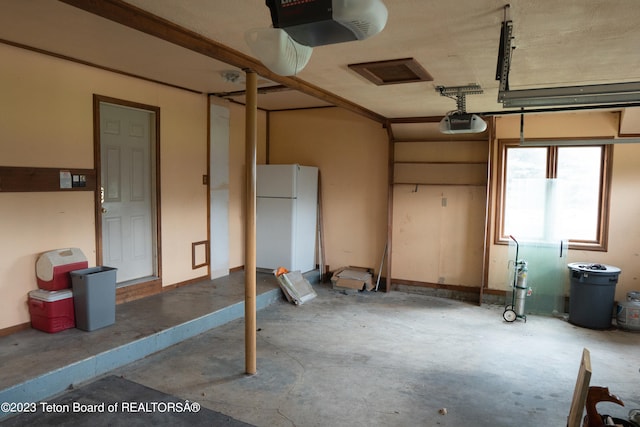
53, 267
51, 311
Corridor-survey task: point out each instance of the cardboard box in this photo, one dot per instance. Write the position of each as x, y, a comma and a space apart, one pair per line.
358, 278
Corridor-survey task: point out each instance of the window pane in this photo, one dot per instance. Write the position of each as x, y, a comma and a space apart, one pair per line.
525, 198
579, 191
551, 193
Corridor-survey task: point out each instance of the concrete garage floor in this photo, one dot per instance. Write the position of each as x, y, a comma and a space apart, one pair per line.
35, 365
395, 359
370, 359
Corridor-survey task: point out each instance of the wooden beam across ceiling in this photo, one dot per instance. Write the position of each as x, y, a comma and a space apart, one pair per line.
133, 17
261, 90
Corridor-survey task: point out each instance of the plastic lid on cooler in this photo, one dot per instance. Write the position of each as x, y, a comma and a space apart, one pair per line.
50, 296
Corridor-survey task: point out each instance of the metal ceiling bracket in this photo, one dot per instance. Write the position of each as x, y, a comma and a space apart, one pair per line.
504, 56
602, 95
572, 95
459, 93
578, 142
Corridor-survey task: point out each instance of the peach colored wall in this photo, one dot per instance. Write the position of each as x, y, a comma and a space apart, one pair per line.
438, 234
46, 121
624, 227
183, 133
438, 230
351, 153
32, 223
237, 181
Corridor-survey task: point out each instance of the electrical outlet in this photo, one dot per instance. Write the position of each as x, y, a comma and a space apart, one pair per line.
205, 179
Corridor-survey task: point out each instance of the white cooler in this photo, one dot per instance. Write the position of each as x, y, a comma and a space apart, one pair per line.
53, 267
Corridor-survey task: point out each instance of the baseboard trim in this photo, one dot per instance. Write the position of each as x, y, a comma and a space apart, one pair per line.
184, 283
457, 288
13, 329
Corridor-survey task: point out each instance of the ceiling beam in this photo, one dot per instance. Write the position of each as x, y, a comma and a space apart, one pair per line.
91, 64
261, 90
133, 17
430, 119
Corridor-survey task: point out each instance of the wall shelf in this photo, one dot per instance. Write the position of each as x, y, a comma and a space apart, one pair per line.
451, 185
30, 179
441, 173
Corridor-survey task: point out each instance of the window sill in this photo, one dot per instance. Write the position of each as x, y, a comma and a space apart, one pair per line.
573, 245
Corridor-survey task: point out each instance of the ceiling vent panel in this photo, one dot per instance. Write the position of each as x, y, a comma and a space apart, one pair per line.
391, 72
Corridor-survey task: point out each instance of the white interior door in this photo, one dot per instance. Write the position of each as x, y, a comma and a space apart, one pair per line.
127, 191
219, 191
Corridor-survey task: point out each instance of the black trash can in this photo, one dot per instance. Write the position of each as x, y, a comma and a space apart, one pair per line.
592, 295
94, 297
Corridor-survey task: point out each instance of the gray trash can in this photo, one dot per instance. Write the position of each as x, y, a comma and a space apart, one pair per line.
591, 299
94, 297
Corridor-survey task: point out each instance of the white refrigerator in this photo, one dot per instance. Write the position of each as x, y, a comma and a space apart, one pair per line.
286, 217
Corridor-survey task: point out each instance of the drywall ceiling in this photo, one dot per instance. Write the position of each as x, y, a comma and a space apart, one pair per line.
573, 42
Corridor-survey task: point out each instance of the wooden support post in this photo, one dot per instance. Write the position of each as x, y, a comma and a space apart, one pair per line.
391, 182
251, 123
